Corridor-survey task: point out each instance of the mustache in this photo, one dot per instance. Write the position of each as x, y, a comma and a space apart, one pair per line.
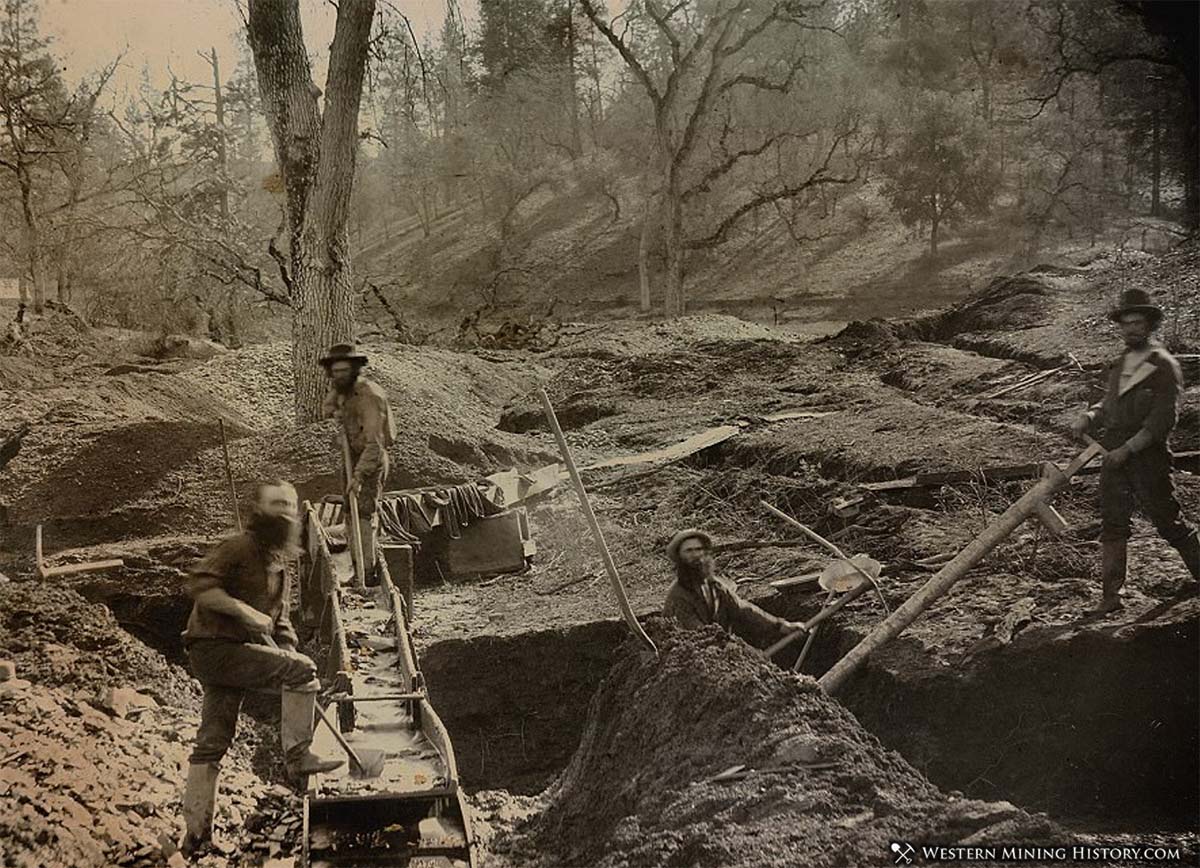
276, 532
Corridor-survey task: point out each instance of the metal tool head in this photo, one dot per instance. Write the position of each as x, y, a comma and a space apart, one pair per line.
843, 575
367, 763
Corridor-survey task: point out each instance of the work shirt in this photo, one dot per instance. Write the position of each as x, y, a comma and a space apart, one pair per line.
716, 601
1141, 404
241, 568
367, 420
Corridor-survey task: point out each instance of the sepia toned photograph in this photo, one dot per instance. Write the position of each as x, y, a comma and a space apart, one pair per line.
599, 433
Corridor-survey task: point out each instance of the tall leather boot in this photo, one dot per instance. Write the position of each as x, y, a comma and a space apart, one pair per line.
199, 801
366, 532
1112, 575
297, 707
1189, 550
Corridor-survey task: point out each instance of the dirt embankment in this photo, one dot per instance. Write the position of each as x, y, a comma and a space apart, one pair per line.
95, 733
820, 790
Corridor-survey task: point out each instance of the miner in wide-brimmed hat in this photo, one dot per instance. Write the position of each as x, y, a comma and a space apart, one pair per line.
366, 416
1139, 411
698, 596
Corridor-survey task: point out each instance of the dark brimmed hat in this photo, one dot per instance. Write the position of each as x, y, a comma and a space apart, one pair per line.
682, 537
342, 353
1136, 301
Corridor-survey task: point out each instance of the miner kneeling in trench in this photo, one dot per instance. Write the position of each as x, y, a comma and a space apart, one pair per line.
239, 637
698, 596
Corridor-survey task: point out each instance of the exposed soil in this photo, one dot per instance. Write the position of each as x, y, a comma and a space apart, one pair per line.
117, 452
638, 792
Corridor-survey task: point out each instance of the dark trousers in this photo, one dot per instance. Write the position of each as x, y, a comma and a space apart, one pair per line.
369, 493
1143, 481
227, 670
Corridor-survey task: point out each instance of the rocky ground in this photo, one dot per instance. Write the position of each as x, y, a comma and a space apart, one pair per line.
112, 443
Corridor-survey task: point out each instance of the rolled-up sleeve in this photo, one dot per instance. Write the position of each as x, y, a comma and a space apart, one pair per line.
213, 570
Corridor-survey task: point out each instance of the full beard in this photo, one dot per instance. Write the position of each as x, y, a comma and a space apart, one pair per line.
347, 386
277, 534
692, 575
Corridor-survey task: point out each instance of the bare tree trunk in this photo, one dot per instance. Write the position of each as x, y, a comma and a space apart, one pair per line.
675, 302
316, 157
1156, 164
31, 235
648, 221
933, 236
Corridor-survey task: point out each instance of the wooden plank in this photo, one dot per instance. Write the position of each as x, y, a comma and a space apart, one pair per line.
71, 569
1186, 461
1007, 471
805, 579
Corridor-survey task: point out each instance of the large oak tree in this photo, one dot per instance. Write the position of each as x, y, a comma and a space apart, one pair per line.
316, 140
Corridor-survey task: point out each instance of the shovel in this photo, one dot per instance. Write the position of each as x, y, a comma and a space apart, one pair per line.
364, 763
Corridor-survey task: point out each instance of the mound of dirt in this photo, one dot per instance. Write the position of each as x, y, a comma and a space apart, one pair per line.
821, 791
95, 732
1007, 303
58, 639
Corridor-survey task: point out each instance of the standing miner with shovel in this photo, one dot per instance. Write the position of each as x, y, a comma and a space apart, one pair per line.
239, 637
1133, 422
368, 430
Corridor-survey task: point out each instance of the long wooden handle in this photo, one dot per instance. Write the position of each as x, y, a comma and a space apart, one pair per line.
820, 617
237, 513
360, 569
834, 550
597, 534
812, 635
341, 739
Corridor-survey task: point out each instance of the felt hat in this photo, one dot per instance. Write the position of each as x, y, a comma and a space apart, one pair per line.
342, 353
682, 537
1136, 301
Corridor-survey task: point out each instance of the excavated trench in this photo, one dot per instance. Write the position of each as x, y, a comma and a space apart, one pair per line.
516, 706
1097, 730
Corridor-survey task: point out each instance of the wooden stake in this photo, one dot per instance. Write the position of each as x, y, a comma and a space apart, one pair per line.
597, 534
237, 513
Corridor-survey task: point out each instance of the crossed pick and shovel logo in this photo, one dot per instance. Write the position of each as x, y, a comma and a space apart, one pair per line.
904, 852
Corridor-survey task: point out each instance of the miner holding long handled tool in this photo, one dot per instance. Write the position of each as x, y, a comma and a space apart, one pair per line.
1133, 422
368, 429
239, 637
699, 597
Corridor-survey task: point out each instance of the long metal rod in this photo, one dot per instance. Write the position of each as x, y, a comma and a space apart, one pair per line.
233, 501
1051, 482
597, 534
352, 532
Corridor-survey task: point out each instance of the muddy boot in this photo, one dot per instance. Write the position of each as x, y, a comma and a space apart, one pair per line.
199, 800
1189, 550
1112, 574
297, 707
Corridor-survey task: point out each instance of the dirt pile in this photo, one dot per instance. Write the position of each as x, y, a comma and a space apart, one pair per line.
820, 790
58, 639
136, 453
95, 733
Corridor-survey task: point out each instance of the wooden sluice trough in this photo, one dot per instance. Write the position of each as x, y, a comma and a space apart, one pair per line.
413, 812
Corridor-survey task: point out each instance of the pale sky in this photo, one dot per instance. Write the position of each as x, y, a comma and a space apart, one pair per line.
156, 34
